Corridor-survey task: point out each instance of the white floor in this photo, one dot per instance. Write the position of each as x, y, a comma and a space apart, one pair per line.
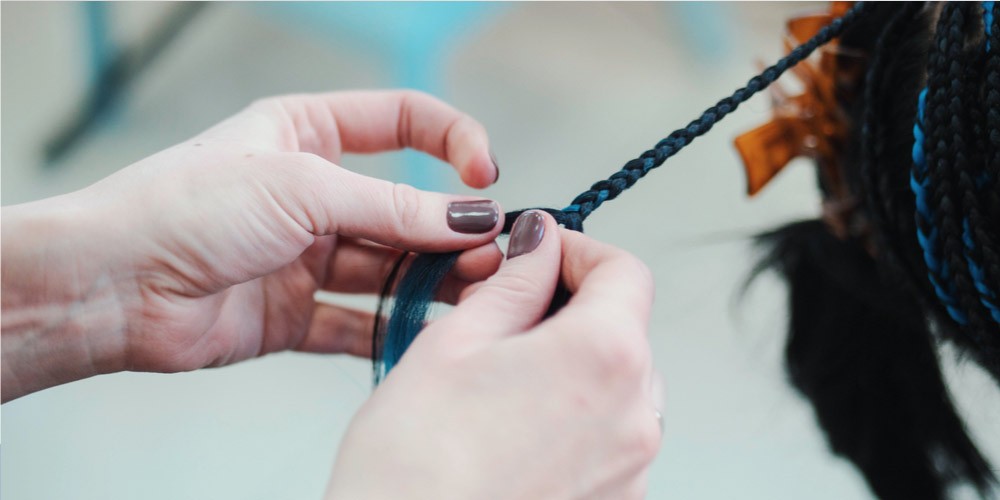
568, 93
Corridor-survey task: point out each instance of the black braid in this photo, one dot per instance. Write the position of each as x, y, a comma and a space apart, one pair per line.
993, 120
950, 159
635, 169
984, 224
946, 119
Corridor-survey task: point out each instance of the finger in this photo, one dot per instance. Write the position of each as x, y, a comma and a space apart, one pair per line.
323, 199
335, 329
473, 267
360, 266
516, 297
367, 122
605, 282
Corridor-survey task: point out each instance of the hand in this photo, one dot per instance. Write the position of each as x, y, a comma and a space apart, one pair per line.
210, 252
491, 401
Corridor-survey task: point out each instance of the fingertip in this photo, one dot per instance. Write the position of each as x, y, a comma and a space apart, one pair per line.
479, 171
478, 263
472, 268
468, 150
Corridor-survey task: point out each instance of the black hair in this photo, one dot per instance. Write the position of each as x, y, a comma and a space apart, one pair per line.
865, 307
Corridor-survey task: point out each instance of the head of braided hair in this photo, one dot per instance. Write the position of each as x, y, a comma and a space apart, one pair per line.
951, 186
865, 307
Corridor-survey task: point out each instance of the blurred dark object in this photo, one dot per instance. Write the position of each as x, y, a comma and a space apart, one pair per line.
116, 69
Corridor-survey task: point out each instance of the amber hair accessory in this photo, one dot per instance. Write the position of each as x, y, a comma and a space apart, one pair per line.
812, 123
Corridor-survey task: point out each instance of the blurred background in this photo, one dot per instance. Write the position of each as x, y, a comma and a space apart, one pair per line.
567, 91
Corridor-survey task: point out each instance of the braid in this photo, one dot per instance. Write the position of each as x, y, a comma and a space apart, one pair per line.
609, 189
992, 181
950, 221
980, 242
930, 174
946, 176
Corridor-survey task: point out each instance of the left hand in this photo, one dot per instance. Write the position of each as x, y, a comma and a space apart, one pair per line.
210, 252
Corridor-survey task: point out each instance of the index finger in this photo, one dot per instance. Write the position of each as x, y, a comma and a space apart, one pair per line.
366, 122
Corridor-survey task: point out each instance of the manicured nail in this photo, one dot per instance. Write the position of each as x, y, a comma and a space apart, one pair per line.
473, 217
493, 158
527, 233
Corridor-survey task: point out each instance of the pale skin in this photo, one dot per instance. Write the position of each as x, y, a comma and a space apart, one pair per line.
210, 252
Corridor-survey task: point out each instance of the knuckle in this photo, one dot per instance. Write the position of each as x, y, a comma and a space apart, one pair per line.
509, 291
406, 209
413, 96
304, 160
634, 270
620, 356
516, 283
301, 169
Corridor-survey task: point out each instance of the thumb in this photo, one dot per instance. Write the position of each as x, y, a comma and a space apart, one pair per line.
517, 296
333, 200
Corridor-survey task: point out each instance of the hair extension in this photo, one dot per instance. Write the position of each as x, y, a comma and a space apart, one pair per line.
980, 243
953, 231
859, 347
890, 147
411, 310
418, 290
862, 354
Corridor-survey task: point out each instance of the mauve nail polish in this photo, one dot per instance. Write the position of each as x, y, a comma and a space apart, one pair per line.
527, 233
472, 217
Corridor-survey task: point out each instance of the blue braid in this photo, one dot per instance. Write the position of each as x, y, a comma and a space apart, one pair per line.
937, 271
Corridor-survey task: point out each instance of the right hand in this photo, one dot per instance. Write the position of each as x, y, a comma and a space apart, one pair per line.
492, 401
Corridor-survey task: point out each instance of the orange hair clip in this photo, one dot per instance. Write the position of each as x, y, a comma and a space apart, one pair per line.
810, 124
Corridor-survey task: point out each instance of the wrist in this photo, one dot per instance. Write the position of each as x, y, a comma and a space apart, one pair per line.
62, 314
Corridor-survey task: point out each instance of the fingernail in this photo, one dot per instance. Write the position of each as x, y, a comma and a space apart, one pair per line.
527, 234
473, 217
493, 158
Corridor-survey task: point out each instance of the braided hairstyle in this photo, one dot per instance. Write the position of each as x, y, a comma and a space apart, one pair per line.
942, 232
867, 308
960, 245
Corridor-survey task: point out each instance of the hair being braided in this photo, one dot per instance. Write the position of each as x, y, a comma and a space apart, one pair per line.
409, 310
588, 201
